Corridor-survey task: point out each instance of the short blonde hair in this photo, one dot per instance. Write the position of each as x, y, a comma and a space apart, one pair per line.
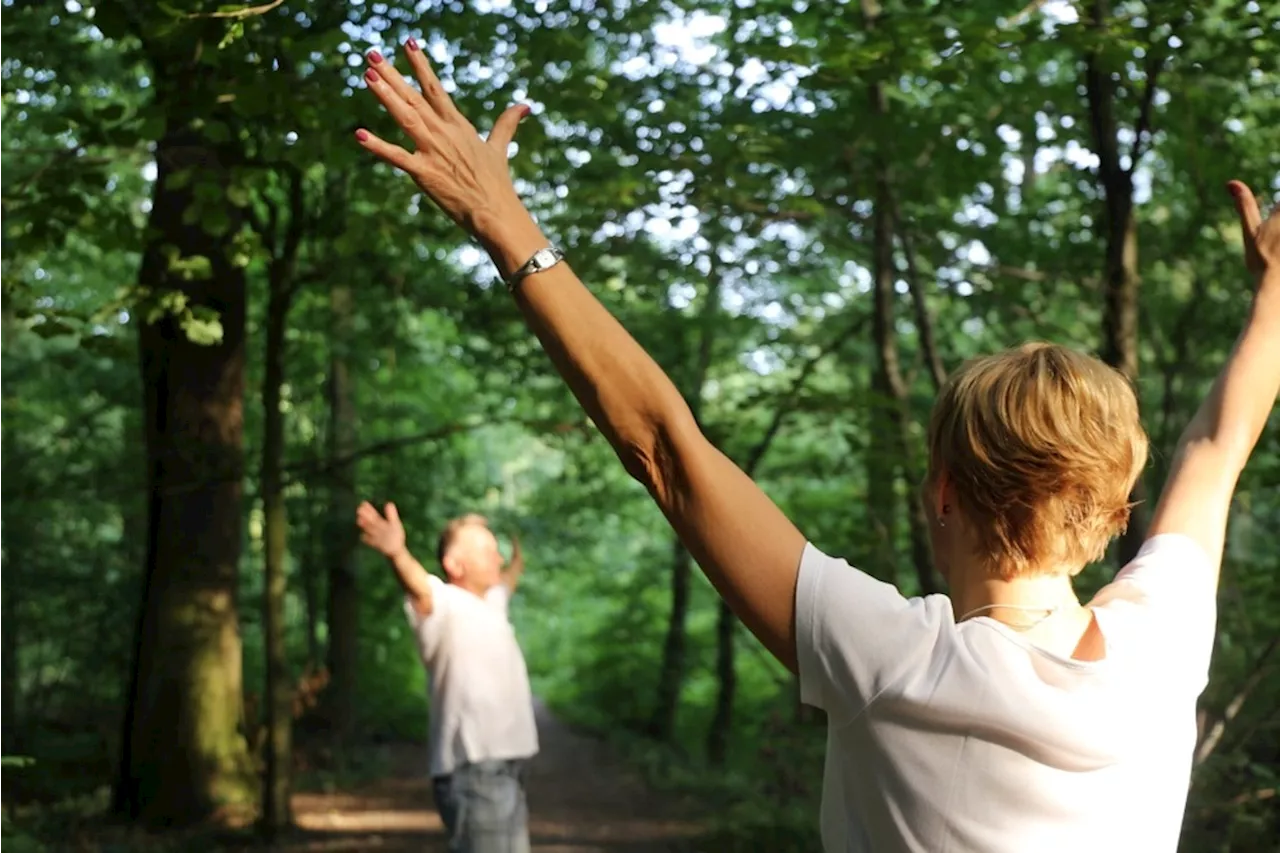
1042, 446
452, 529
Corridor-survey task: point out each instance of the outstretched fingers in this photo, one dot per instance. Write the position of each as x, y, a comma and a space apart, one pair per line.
414, 121
505, 127
386, 151
432, 90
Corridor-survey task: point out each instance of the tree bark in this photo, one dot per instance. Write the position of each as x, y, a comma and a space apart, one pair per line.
184, 758
343, 604
10, 559
721, 726
1119, 229
279, 687
662, 723
727, 680
315, 512
891, 387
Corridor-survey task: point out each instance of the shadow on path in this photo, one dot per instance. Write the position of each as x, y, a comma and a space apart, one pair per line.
582, 799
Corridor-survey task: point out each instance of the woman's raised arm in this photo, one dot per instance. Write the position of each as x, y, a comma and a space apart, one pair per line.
749, 550
1217, 443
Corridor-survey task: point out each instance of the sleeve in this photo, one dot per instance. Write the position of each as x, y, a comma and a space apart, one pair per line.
499, 598
1165, 600
427, 627
856, 635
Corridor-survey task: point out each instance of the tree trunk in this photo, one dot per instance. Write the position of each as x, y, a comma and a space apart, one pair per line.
10, 560
184, 758
315, 512
663, 722
9, 636
671, 676
279, 687
343, 607
1120, 275
727, 677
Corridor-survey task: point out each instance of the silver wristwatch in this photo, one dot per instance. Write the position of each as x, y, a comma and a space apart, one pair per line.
542, 259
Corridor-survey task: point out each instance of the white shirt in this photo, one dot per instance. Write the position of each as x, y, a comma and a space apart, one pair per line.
481, 704
951, 738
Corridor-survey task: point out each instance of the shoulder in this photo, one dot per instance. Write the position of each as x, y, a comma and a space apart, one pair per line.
441, 595
1168, 568
856, 635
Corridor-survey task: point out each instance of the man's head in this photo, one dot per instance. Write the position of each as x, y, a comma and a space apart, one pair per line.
468, 553
1033, 453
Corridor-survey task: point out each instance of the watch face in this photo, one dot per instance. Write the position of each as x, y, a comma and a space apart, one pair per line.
544, 257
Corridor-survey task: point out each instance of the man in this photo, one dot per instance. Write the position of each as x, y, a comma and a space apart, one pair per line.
482, 725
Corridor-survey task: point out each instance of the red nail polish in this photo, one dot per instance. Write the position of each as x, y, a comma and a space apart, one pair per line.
371, 76
375, 57
362, 135
411, 44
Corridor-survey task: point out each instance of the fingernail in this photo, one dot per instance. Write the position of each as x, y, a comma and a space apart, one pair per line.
375, 57
362, 135
1233, 188
371, 76
411, 44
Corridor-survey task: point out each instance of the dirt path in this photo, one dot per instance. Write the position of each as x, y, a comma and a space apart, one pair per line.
581, 800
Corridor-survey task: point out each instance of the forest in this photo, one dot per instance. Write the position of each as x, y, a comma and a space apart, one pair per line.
225, 325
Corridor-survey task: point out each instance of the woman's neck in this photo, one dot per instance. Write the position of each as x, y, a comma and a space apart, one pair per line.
1021, 600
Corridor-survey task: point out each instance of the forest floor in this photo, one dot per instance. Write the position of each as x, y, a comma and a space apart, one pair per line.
582, 799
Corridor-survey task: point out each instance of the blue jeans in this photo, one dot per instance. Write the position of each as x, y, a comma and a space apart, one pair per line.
483, 807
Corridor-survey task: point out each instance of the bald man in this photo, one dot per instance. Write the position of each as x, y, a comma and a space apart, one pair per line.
482, 726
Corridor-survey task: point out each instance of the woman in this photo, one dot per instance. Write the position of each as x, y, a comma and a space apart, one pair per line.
1008, 717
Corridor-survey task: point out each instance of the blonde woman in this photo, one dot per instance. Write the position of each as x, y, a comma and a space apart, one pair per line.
1008, 716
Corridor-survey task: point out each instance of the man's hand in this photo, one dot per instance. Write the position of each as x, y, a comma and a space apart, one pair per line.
384, 535
515, 567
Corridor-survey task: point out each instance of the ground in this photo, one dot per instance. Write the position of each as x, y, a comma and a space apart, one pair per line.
582, 799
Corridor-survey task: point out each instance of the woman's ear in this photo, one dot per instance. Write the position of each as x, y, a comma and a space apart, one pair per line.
942, 496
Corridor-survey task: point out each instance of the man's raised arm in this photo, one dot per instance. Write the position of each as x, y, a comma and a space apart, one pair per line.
386, 536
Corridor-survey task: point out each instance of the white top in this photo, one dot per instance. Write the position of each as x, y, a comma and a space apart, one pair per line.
950, 738
481, 704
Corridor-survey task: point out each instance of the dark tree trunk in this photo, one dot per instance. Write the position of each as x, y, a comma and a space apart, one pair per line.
184, 758
892, 391
727, 677
279, 687
1120, 279
343, 607
10, 547
661, 725
671, 677
315, 513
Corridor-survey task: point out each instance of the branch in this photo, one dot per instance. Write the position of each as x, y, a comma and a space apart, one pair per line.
1022, 17
1213, 737
237, 14
1142, 127
310, 468
924, 322
293, 235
